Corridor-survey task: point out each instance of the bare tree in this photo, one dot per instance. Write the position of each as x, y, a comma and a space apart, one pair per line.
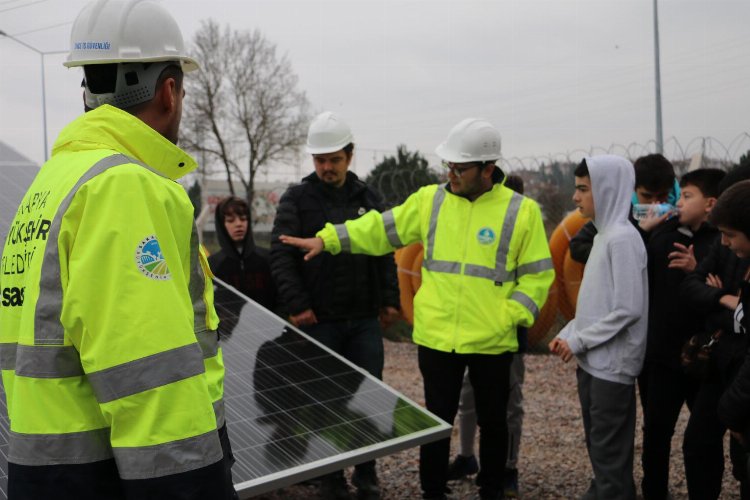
243, 109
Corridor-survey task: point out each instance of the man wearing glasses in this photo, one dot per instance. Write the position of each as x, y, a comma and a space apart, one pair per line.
486, 271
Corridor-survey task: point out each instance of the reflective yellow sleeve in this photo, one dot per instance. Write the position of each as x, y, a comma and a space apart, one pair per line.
212, 318
376, 233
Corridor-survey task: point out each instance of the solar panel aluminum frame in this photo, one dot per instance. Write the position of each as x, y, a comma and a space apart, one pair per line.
249, 489
294, 475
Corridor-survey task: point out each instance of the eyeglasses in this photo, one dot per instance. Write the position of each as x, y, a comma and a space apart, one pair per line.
455, 170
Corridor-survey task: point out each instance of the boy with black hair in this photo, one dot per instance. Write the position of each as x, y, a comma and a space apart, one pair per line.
608, 334
655, 182
673, 250
733, 220
712, 291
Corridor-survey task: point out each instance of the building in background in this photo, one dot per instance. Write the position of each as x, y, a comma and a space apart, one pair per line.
262, 210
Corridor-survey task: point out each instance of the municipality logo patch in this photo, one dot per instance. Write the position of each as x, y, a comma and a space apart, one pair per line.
486, 236
150, 260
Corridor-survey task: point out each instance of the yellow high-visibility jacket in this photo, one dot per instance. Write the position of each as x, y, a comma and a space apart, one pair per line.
486, 269
108, 346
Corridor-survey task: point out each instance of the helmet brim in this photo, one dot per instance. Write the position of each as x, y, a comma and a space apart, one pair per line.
445, 153
320, 150
188, 64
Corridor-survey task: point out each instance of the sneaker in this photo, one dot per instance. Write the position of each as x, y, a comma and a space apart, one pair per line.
511, 483
366, 482
462, 466
333, 486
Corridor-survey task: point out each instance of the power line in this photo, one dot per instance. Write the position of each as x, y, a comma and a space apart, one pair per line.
24, 5
623, 76
42, 29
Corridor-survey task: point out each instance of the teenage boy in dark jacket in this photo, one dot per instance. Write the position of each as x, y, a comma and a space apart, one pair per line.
335, 299
655, 182
673, 250
733, 220
712, 291
240, 263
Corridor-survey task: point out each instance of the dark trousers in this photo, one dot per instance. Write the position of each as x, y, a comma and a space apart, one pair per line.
443, 374
643, 380
358, 340
608, 411
669, 389
226, 448
739, 455
703, 446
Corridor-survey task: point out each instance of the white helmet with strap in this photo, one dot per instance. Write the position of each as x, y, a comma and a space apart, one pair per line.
472, 139
133, 33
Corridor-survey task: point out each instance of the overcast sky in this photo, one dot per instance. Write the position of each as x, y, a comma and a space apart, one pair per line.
553, 76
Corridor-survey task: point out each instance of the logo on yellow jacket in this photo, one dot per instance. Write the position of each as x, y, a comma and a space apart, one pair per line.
486, 236
150, 260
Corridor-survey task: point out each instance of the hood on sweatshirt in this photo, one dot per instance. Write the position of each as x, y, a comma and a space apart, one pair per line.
612, 184
225, 240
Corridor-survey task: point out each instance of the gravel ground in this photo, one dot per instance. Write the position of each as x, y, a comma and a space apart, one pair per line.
553, 461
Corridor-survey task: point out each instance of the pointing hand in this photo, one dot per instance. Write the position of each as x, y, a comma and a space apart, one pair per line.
311, 246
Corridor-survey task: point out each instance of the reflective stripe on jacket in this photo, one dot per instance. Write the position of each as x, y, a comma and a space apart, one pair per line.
111, 348
486, 269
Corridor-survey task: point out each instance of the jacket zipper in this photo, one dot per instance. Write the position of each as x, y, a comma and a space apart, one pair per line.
462, 262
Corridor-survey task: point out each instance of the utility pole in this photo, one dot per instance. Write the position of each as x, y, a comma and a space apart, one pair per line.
659, 132
44, 89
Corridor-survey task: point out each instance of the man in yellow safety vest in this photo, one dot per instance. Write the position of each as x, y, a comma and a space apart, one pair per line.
486, 271
110, 358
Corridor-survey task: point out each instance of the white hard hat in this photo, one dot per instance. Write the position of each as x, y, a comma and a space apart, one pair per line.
473, 139
328, 133
126, 31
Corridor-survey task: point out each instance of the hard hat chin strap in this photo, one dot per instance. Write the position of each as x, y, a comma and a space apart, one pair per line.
135, 84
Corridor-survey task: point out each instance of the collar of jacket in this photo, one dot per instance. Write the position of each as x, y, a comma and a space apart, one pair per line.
497, 189
352, 184
107, 127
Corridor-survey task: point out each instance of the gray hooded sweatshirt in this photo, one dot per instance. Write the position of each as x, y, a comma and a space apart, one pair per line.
608, 333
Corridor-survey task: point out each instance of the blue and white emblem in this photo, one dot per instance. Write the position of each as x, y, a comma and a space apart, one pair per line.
150, 260
486, 236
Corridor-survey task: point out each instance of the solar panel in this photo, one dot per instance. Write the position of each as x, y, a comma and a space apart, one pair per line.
295, 409
16, 174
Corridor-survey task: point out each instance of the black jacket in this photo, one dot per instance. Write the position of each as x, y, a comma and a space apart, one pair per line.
704, 300
583, 240
343, 286
734, 406
670, 321
248, 271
